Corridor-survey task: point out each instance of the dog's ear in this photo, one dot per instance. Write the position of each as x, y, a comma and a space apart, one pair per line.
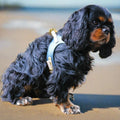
106, 50
75, 31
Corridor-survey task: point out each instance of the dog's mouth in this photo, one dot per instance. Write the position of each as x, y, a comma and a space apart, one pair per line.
97, 44
102, 41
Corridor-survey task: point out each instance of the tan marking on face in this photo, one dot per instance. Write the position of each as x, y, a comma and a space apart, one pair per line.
101, 18
97, 35
110, 20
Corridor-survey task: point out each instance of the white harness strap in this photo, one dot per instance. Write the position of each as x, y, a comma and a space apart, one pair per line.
51, 48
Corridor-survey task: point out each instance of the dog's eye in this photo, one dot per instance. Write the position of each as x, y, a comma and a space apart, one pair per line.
95, 22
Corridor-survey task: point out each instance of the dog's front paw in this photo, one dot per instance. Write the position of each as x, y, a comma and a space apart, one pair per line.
69, 109
24, 101
72, 110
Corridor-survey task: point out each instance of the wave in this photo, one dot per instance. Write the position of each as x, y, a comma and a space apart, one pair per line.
37, 26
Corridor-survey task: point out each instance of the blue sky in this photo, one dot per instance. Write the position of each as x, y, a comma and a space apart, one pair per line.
63, 3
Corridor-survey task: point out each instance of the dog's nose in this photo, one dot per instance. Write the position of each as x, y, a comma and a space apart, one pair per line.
106, 31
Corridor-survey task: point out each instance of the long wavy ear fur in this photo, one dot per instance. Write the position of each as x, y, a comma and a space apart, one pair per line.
106, 50
75, 31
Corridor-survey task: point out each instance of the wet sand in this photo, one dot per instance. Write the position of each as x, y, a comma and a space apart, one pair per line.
99, 97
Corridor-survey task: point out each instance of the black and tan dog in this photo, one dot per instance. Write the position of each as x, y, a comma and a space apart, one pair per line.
88, 29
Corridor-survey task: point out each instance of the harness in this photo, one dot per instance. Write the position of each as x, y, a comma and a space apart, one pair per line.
51, 48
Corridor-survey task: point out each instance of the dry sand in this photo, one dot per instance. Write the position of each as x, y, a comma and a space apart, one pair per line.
99, 97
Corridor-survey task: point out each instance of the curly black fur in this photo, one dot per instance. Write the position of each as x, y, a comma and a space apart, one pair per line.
72, 61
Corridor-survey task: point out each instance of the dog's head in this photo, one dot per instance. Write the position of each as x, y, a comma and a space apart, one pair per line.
90, 28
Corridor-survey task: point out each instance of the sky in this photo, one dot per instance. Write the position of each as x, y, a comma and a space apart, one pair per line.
62, 3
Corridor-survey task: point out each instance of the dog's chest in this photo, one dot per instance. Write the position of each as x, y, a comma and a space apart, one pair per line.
72, 60
82, 63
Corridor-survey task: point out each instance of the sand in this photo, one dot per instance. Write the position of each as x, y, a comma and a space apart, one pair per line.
99, 97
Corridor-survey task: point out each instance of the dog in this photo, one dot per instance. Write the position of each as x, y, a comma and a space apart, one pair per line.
88, 29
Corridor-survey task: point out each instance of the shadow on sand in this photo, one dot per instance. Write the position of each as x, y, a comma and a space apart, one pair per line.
89, 101
41, 101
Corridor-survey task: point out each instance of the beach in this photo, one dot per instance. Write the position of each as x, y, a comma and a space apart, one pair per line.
99, 97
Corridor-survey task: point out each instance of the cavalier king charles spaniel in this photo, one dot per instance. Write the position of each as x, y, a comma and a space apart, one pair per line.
88, 29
